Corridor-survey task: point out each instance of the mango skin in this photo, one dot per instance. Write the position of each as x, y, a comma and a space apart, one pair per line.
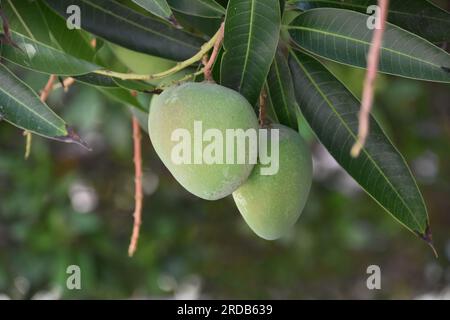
217, 107
271, 204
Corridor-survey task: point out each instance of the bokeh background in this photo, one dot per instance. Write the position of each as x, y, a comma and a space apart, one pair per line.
68, 206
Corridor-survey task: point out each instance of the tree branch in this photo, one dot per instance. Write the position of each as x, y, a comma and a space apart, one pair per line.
369, 81
180, 66
138, 187
263, 108
210, 64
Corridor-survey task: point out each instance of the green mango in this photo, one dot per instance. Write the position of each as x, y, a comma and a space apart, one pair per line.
271, 204
181, 109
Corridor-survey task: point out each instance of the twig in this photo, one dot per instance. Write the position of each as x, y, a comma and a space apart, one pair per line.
179, 66
210, 64
138, 187
28, 140
6, 36
369, 81
48, 88
65, 84
262, 108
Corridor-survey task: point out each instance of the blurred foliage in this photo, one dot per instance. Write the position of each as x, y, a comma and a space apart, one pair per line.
66, 206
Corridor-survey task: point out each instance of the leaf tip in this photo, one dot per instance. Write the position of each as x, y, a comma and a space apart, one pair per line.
428, 238
73, 137
174, 22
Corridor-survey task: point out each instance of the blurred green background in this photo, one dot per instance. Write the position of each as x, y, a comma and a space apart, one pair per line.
66, 206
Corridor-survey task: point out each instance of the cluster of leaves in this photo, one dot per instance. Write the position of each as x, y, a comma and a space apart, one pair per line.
269, 45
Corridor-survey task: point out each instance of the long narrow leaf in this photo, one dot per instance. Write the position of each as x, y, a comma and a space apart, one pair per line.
343, 36
73, 42
418, 16
121, 25
38, 56
280, 91
332, 112
20, 106
252, 29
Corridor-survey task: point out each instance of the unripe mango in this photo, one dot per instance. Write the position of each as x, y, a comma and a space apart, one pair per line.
271, 204
216, 107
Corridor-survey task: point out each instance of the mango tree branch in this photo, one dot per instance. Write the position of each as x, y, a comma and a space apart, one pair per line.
210, 64
138, 187
369, 81
179, 66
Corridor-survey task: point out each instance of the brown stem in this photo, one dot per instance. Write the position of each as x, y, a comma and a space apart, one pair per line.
210, 64
6, 37
263, 108
67, 83
138, 187
369, 81
48, 88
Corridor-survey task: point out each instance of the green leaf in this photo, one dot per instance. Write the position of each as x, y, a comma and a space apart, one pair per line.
418, 16
102, 81
280, 91
207, 26
159, 8
21, 106
199, 8
37, 56
128, 28
97, 80
252, 29
343, 36
122, 96
332, 112
26, 18
73, 42
111, 88
140, 86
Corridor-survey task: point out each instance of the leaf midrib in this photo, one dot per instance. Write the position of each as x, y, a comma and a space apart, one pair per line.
337, 35
247, 53
286, 106
390, 10
355, 138
26, 107
62, 53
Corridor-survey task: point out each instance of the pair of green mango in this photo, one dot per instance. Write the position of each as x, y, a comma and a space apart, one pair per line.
270, 204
